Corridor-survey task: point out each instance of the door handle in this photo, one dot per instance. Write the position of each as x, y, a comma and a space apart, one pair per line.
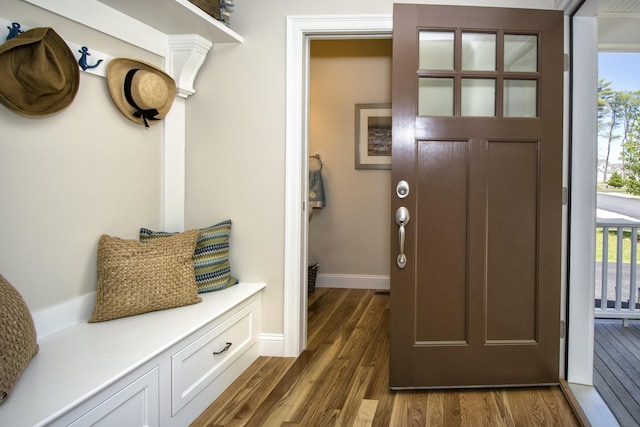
402, 219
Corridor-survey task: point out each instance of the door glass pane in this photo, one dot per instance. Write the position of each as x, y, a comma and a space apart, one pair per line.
435, 97
436, 50
478, 51
478, 97
520, 53
520, 98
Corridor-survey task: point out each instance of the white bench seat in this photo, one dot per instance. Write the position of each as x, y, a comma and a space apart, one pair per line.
81, 367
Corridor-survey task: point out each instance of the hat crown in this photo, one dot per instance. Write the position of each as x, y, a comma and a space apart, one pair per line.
36, 63
148, 90
39, 75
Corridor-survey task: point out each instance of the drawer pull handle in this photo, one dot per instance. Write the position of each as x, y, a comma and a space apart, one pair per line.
226, 347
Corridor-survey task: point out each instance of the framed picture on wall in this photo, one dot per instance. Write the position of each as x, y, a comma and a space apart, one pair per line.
373, 136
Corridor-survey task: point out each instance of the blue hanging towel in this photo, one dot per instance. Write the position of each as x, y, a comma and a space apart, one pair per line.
316, 189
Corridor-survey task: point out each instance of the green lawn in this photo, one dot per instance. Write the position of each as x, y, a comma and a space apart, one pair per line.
613, 248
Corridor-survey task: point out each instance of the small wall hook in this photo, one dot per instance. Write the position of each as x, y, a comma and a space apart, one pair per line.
14, 30
84, 51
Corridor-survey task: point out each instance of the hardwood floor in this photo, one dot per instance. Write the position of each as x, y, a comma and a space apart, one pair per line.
341, 379
616, 373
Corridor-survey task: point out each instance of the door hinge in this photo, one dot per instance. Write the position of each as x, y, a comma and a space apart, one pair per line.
566, 62
562, 329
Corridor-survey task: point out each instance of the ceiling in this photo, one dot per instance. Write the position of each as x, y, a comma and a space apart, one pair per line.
618, 23
618, 6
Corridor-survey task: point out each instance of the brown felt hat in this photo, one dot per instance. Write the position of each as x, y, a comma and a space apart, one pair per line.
141, 91
39, 74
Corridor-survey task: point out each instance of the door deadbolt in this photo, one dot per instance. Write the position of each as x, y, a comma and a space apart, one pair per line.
402, 189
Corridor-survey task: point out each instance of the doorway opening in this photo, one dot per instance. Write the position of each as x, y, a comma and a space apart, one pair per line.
349, 202
592, 25
617, 335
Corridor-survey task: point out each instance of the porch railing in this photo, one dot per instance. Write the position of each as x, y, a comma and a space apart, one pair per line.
617, 293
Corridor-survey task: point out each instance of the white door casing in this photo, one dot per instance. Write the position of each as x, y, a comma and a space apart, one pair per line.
300, 29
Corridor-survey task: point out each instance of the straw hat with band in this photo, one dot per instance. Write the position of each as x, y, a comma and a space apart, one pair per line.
40, 75
141, 91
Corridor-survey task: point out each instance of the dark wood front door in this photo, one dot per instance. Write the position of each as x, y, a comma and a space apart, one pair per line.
477, 137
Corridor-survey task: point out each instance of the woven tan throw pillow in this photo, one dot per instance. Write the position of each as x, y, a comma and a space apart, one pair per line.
18, 342
135, 278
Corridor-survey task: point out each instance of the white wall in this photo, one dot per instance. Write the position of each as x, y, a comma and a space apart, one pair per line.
68, 178
344, 73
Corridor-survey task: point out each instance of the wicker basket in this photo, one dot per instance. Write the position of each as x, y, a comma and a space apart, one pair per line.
211, 7
311, 276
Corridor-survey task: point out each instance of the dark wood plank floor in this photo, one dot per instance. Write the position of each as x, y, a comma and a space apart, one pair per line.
617, 368
341, 379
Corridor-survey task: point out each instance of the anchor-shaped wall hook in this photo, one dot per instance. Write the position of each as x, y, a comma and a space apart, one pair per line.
83, 59
14, 30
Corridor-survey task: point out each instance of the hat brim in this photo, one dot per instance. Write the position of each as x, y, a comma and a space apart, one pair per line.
12, 92
117, 70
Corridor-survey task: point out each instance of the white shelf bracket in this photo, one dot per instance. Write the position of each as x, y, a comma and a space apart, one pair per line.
187, 53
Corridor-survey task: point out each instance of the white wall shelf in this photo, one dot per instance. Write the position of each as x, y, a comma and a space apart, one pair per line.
176, 17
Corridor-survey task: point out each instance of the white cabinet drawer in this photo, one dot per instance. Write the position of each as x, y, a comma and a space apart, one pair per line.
195, 366
136, 405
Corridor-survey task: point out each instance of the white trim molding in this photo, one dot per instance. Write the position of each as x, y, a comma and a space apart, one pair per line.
173, 168
352, 281
595, 409
100, 17
271, 345
187, 53
299, 30
61, 316
566, 5
583, 201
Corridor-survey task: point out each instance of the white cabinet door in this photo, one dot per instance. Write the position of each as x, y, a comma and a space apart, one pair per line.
136, 405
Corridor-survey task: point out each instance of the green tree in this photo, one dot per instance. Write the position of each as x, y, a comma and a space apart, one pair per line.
605, 92
609, 118
616, 180
631, 156
630, 110
619, 118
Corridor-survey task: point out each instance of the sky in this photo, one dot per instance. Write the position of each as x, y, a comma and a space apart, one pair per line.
621, 69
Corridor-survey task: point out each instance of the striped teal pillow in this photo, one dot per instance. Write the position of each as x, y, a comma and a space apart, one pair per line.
211, 257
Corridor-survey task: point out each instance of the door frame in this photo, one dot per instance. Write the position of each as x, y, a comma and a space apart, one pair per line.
582, 212
299, 30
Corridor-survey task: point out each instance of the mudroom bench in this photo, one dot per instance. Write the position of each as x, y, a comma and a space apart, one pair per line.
155, 369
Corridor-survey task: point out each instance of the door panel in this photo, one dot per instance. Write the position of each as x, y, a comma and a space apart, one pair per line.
512, 241
477, 134
443, 183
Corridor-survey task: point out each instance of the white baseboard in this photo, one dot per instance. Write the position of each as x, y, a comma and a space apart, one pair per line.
352, 281
58, 317
272, 345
